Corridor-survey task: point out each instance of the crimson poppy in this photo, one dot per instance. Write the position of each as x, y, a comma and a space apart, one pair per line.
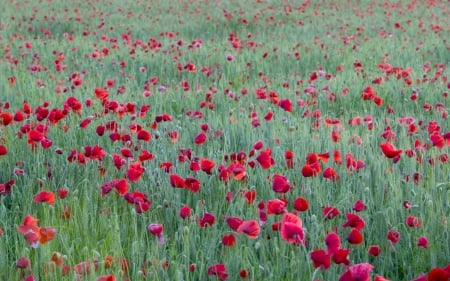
185, 212
333, 243
108, 277
135, 171
177, 181
374, 250
438, 274
355, 237
276, 206
330, 174
330, 212
321, 259
250, 196
156, 229
229, 240
413, 221
3, 150
341, 257
393, 236
206, 165
219, 270
280, 184
250, 228
301, 204
200, 138
208, 219
353, 220
234, 222
422, 242
292, 230
389, 150
359, 206
45, 196
357, 272
265, 158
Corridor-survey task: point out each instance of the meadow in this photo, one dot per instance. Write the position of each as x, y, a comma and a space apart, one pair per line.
224, 140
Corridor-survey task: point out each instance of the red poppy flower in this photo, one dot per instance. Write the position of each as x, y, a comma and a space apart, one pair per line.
23, 263
333, 243
265, 159
280, 184
330, 174
45, 196
389, 150
357, 272
177, 181
200, 138
140, 201
413, 221
250, 196
286, 104
208, 219
229, 240
359, 206
276, 206
393, 236
301, 204
438, 274
184, 212
135, 171
341, 257
330, 212
144, 135
374, 250
219, 270
422, 242
353, 220
355, 237
207, 165
291, 229
234, 222
108, 277
156, 229
250, 228
320, 259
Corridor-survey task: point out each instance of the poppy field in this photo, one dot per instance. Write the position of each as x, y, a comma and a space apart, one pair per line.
224, 140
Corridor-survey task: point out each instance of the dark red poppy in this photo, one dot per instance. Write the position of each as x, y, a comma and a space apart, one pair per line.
292, 230
219, 270
355, 237
208, 219
393, 236
438, 274
330, 174
206, 165
355, 221
177, 181
276, 206
341, 257
359, 206
321, 259
330, 212
280, 184
389, 150
135, 171
374, 250
45, 196
200, 138
250, 228
333, 243
301, 204
185, 212
357, 272
265, 158
229, 240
